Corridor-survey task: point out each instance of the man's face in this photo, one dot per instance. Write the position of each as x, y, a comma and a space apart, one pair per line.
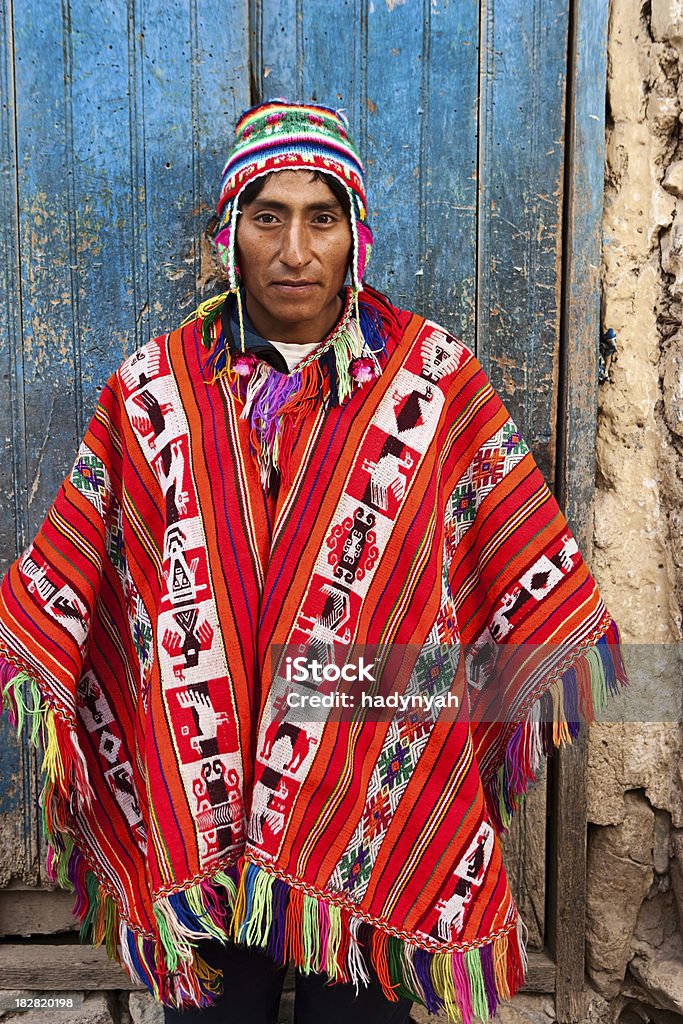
293, 250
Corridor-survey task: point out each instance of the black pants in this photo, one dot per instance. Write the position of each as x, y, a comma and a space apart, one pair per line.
252, 985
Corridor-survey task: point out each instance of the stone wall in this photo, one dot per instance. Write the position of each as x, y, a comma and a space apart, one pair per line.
635, 838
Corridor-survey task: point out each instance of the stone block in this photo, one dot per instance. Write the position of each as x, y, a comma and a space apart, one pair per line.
666, 21
7, 995
657, 918
144, 1009
672, 364
638, 755
662, 113
619, 875
673, 178
598, 1010
660, 972
95, 1009
676, 870
527, 1008
645, 1013
671, 248
660, 850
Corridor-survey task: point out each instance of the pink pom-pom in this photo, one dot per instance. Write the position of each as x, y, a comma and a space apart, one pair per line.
362, 369
244, 365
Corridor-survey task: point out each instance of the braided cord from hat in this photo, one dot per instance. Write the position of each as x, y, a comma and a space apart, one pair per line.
352, 355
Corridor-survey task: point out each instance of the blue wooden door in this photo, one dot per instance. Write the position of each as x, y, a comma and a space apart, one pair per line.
115, 123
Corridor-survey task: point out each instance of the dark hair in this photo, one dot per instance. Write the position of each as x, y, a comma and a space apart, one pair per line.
254, 188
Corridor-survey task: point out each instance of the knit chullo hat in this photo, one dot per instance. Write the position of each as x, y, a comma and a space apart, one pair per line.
282, 136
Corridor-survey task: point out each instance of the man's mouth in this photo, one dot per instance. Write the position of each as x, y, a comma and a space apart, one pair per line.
294, 285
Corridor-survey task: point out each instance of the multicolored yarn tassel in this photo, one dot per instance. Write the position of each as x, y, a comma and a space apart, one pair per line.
555, 719
169, 966
318, 932
321, 932
63, 764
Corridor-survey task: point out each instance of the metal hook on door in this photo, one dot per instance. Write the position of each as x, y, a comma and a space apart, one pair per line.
608, 347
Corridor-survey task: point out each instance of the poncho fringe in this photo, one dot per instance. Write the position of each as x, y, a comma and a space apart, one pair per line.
316, 931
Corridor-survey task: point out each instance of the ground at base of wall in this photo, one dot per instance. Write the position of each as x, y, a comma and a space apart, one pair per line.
523, 1009
140, 1008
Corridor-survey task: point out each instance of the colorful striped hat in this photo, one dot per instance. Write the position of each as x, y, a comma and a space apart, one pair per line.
282, 136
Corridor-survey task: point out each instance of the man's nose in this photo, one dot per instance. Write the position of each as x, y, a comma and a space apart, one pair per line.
295, 251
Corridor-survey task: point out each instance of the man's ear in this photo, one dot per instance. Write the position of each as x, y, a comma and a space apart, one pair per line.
212, 272
211, 227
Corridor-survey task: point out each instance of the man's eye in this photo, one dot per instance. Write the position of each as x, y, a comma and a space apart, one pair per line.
265, 218
324, 218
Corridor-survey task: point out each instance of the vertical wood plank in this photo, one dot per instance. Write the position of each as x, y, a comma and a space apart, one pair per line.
332, 57
18, 839
13, 852
12, 423
188, 95
576, 460
9, 280
578, 392
566, 897
48, 253
163, 74
523, 52
220, 93
99, 158
277, 61
395, 81
524, 852
446, 288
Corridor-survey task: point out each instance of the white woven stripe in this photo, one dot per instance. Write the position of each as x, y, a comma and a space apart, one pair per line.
288, 143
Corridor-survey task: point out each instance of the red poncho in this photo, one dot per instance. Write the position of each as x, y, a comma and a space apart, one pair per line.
183, 796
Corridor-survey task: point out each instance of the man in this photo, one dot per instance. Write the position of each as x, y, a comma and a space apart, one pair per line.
301, 472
